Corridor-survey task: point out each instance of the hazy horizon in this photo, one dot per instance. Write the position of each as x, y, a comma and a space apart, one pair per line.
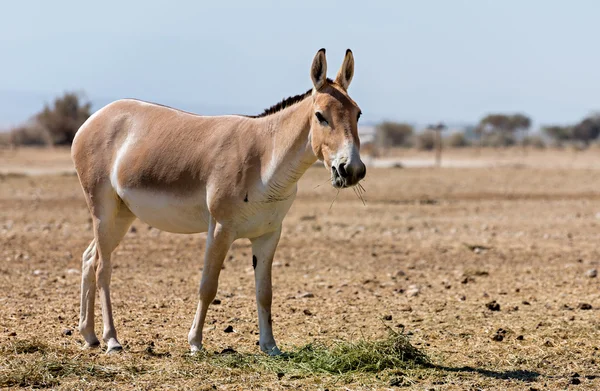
418, 62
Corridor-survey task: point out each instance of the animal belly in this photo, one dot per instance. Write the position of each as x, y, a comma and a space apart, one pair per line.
168, 212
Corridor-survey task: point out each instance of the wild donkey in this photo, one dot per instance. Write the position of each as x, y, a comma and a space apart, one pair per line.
231, 176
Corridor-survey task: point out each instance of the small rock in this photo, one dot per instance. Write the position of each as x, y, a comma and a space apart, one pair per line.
548, 343
499, 336
12, 334
387, 317
280, 375
37, 272
592, 273
307, 312
575, 380
525, 302
493, 306
584, 306
520, 338
413, 291
216, 301
229, 329
306, 295
67, 332
133, 230
461, 298
73, 271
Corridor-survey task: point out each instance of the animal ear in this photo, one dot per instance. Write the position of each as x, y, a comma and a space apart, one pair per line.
318, 70
344, 76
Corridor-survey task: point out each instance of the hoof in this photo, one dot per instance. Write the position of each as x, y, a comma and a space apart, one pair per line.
92, 345
274, 351
195, 349
114, 350
113, 347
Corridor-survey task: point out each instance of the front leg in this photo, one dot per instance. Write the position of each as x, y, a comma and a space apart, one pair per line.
217, 244
263, 250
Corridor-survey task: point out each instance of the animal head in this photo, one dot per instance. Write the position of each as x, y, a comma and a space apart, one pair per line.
334, 123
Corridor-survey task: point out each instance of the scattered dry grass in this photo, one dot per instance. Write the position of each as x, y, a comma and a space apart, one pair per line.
427, 254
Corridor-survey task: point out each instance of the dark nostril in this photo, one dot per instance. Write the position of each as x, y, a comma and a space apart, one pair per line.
362, 172
342, 170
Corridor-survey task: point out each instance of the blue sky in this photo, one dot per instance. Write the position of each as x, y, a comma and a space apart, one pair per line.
418, 61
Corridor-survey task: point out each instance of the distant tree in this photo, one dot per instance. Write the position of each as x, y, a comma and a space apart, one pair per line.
437, 141
509, 123
500, 129
393, 134
426, 140
588, 129
495, 122
558, 133
457, 140
64, 117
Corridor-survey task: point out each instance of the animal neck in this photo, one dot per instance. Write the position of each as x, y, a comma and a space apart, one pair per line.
290, 151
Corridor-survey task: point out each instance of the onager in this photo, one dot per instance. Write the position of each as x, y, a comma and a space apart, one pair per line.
231, 176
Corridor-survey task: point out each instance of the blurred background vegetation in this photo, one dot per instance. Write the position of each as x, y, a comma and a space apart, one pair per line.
56, 124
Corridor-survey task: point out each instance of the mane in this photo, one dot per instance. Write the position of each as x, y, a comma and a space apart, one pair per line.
287, 102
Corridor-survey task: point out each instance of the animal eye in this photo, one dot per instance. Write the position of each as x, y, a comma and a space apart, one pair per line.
321, 119
358, 116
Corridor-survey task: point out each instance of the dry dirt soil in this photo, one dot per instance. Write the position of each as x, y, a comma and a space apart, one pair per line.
489, 270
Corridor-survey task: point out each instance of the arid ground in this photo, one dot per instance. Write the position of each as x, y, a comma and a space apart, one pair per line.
487, 269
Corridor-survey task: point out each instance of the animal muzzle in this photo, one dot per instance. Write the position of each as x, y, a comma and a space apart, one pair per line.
347, 174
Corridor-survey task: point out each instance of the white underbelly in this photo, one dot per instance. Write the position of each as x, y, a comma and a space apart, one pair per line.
168, 212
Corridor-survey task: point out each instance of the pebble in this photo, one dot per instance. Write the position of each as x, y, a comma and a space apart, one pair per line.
493, 306
592, 273
413, 291
229, 329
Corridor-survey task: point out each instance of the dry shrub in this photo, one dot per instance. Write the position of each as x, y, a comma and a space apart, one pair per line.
457, 140
65, 117
394, 134
534, 141
426, 140
54, 125
498, 139
32, 134
5, 139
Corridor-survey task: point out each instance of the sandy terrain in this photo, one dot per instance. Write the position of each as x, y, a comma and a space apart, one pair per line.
430, 252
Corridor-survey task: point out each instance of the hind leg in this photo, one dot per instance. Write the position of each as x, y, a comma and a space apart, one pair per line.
111, 219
